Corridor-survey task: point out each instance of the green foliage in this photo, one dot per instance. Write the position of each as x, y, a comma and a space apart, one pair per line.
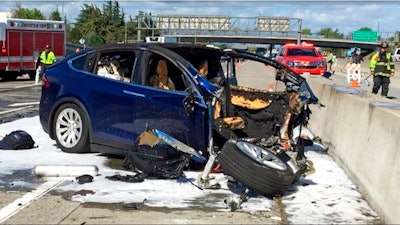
95, 40
329, 33
55, 15
223, 46
306, 31
22, 13
365, 28
99, 26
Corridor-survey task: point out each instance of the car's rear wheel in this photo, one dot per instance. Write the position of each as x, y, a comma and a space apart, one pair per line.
256, 167
71, 129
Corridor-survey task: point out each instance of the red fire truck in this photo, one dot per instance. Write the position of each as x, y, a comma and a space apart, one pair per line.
22, 41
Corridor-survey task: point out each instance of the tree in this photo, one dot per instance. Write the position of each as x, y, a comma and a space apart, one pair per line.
306, 31
329, 33
365, 28
89, 24
55, 15
99, 27
114, 29
22, 13
131, 29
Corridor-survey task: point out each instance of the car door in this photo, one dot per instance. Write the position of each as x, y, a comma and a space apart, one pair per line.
166, 110
110, 108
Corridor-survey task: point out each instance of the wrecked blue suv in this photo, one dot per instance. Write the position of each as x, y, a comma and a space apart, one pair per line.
103, 99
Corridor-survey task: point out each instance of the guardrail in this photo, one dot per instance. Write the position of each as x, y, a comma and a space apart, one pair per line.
364, 136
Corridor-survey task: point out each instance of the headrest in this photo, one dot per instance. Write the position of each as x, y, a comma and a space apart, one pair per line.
162, 69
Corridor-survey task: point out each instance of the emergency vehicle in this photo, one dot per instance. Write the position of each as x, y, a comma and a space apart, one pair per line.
22, 41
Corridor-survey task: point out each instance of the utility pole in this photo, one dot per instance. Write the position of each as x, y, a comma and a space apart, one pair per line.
126, 33
299, 32
139, 22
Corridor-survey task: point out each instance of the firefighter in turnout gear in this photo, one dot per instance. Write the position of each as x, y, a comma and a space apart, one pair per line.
382, 68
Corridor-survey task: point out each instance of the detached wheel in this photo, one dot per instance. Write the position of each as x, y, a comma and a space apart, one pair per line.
256, 167
71, 129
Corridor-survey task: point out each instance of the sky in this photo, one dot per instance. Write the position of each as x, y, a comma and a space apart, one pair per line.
345, 16
327, 196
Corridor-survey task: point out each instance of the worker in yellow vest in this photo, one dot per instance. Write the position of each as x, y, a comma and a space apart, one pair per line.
45, 60
47, 57
382, 68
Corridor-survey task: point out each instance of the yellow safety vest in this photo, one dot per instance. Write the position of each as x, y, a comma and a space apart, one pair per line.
48, 58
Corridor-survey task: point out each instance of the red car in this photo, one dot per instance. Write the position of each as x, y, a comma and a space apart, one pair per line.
302, 59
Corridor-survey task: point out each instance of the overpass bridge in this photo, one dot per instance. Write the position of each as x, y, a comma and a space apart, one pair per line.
273, 40
244, 30
259, 30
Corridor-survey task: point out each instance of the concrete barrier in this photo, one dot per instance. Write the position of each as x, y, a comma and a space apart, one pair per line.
364, 135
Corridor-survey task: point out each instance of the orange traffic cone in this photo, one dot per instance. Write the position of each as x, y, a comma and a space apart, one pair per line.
238, 65
271, 87
354, 83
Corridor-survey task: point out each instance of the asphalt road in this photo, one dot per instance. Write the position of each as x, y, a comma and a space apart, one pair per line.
18, 99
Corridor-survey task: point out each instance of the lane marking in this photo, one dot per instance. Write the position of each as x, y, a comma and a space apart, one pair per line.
28, 85
23, 104
17, 109
20, 203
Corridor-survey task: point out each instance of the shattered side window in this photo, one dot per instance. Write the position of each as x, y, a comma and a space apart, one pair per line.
117, 65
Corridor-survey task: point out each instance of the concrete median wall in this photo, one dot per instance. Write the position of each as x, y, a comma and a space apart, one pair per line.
364, 134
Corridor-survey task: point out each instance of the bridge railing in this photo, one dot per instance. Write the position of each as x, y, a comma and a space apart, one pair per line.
239, 26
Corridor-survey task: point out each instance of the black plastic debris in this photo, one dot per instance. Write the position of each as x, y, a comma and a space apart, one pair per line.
84, 179
128, 178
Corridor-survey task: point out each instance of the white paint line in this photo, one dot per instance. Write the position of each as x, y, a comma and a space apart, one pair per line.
14, 110
20, 203
28, 85
23, 104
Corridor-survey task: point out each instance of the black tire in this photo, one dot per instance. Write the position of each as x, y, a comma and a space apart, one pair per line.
9, 76
32, 74
71, 129
270, 178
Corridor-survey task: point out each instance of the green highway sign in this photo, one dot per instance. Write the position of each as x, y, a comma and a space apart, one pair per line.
365, 35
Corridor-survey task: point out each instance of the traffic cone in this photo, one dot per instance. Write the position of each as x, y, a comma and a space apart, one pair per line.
238, 65
354, 83
271, 87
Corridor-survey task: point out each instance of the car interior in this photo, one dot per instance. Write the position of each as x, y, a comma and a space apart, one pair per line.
173, 72
116, 65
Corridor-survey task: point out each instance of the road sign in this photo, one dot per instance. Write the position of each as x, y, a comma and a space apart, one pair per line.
365, 35
82, 41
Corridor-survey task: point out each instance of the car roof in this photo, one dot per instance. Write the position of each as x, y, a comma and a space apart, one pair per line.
156, 46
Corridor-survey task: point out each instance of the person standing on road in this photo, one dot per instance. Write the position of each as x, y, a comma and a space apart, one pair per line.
329, 61
382, 68
46, 59
357, 57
